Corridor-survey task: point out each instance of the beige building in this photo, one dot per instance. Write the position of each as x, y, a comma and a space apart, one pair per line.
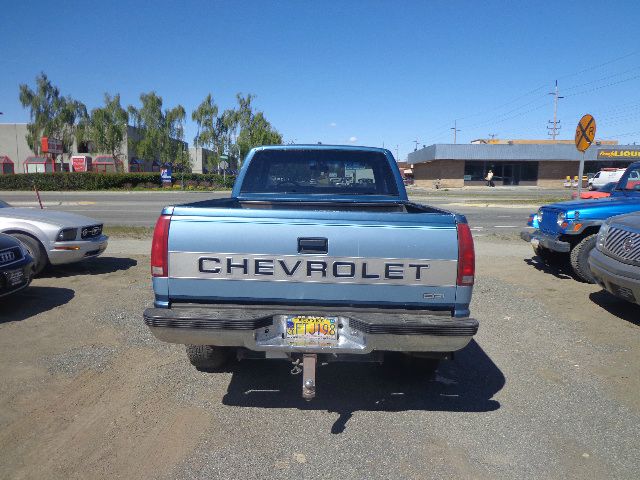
14, 145
545, 164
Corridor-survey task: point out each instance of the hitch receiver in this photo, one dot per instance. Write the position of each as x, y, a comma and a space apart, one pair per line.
309, 361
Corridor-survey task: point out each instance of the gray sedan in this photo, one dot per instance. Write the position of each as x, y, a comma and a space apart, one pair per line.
53, 237
615, 262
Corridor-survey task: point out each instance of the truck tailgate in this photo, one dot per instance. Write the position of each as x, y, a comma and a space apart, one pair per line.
313, 258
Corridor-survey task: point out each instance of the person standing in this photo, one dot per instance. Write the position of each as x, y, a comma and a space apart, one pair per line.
489, 179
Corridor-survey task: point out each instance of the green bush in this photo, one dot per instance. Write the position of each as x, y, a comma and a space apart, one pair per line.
107, 181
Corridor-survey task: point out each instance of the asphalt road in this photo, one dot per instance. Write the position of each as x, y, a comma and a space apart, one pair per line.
489, 211
548, 389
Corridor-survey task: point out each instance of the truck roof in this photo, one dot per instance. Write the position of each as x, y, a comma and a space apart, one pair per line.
321, 146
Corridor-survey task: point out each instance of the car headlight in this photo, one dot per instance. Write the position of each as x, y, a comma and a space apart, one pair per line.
602, 236
539, 216
67, 234
561, 218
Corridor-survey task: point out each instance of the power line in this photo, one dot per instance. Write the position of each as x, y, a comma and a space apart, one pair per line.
504, 115
595, 67
601, 78
603, 86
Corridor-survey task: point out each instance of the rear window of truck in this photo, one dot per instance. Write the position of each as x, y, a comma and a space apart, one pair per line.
321, 172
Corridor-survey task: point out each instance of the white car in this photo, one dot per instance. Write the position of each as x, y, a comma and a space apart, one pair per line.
53, 237
604, 176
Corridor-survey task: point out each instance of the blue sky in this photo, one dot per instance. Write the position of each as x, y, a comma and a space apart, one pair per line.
362, 72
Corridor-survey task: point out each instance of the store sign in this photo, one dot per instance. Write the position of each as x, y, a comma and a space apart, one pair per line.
51, 145
79, 164
618, 153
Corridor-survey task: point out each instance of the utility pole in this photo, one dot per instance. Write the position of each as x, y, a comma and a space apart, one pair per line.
455, 131
416, 147
554, 129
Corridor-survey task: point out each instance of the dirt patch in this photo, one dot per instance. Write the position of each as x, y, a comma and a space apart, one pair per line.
547, 389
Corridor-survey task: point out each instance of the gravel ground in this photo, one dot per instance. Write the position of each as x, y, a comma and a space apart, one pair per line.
548, 389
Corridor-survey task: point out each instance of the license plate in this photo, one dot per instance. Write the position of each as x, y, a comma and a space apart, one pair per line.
312, 328
14, 277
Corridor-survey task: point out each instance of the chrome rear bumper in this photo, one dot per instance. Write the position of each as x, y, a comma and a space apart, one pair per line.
263, 328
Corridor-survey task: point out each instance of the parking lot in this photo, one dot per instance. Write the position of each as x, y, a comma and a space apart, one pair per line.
548, 388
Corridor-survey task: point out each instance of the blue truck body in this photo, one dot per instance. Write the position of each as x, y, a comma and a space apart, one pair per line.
314, 231
561, 227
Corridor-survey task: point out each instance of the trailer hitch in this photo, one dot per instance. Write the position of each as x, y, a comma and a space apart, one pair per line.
309, 361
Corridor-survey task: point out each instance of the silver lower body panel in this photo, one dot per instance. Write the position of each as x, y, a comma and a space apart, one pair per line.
360, 331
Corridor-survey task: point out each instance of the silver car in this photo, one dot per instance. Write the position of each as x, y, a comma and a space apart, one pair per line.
53, 237
615, 262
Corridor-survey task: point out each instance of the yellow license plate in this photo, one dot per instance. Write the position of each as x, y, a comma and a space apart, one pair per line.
312, 328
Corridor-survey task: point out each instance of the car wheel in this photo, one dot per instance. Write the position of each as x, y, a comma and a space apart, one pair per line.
208, 358
580, 258
35, 249
591, 187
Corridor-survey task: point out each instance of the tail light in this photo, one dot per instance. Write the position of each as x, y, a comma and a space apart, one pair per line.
160, 247
466, 256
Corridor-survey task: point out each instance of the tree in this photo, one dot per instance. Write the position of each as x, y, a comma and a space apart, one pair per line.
51, 114
107, 127
160, 134
255, 129
206, 117
148, 120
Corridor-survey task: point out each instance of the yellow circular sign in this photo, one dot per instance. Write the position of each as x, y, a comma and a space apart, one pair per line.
585, 132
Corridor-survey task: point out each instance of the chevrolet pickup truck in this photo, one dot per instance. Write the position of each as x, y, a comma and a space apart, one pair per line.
300, 267
569, 229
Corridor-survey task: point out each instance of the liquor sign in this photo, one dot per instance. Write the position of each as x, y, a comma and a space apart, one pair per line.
619, 153
51, 145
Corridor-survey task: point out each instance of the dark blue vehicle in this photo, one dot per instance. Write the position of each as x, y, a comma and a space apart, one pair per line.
570, 228
16, 265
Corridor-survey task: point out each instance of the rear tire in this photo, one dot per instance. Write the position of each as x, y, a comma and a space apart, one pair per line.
208, 358
35, 249
580, 258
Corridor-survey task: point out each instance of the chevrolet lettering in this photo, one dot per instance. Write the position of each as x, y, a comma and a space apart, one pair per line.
316, 269
318, 255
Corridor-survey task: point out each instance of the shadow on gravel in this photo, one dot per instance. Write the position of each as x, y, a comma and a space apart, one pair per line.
32, 301
94, 266
616, 306
466, 384
561, 269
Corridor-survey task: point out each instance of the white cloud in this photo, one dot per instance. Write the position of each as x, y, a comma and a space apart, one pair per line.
353, 139
333, 124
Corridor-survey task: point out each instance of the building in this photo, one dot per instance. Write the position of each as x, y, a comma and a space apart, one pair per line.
545, 164
202, 159
13, 144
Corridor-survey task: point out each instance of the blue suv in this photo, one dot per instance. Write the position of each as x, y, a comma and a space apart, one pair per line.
570, 228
